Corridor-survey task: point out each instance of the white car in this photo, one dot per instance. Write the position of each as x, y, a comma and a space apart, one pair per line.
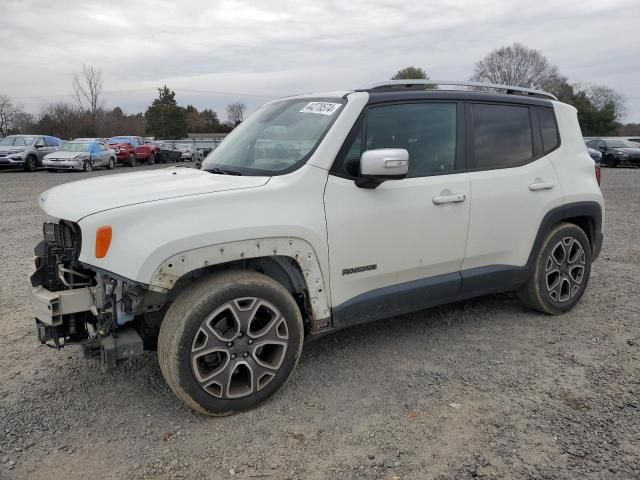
81, 154
317, 213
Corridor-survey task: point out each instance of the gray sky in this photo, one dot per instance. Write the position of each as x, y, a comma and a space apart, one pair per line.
214, 52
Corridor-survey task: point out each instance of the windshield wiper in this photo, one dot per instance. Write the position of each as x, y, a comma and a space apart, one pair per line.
220, 171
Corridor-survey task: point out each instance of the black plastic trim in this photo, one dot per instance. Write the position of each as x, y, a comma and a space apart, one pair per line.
397, 300
376, 97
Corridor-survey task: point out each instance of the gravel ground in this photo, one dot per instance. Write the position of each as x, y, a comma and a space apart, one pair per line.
481, 388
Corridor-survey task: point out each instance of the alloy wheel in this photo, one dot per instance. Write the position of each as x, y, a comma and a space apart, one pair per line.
239, 348
565, 270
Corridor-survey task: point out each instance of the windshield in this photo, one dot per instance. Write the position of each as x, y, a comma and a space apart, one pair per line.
275, 138
120, 140
76, 147
17, 141
621, 144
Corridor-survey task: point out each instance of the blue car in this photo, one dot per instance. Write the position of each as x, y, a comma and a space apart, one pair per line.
81, 155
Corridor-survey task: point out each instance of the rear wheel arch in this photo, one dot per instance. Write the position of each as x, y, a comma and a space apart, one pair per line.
586, 215
587, 225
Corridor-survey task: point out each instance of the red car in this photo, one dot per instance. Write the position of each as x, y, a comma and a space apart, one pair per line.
129, 150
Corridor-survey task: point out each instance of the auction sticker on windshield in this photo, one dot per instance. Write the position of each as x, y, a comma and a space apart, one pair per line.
322, 108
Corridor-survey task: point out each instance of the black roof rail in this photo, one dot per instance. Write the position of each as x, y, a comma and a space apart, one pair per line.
396, 85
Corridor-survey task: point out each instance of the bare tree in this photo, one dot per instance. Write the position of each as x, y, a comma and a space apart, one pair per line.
23, 122
87, 87
61, 119
13, 119
6, 114
519, 66
602, 96
235, 113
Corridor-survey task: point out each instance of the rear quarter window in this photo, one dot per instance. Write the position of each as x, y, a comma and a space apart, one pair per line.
548, 129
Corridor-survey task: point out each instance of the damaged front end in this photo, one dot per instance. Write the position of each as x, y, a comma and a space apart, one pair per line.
76, 304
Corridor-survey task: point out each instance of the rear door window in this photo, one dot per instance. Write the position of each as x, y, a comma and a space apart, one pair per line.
502, 136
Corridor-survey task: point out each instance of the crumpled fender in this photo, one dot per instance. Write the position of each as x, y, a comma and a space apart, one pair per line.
178, 265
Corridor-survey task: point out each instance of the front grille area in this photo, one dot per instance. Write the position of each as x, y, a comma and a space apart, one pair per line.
62, 234
61, 246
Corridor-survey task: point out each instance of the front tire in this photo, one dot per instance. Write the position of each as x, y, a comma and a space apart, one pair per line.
152, 159
112, 164
561, 271
132, 160
31, 164
87, 166
230, 341
611, 161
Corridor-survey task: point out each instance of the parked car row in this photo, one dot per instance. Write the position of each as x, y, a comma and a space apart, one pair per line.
33, 151
615, 151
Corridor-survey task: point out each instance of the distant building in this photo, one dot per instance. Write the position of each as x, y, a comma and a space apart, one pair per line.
207, 136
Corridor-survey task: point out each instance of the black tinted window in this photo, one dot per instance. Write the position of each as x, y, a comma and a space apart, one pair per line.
549, 129
501, 136
426, 130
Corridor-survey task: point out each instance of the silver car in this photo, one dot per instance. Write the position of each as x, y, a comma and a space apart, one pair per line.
81, 155
189, 153
26, 151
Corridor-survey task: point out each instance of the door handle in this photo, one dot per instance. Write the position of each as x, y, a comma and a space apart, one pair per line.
453, 198
536, 186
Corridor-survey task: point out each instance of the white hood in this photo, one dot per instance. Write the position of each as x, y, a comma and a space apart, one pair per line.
75, 200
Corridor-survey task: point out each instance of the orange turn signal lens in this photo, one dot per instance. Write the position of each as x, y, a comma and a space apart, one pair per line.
103, 240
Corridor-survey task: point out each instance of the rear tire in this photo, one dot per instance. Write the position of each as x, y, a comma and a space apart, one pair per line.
132, 160
230, 341
561, 271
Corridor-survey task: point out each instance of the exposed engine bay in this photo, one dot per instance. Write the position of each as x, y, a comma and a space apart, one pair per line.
76, 304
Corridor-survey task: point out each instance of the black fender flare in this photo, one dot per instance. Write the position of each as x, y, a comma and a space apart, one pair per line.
589, 210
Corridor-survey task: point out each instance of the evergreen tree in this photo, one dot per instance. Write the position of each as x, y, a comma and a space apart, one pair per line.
164, 118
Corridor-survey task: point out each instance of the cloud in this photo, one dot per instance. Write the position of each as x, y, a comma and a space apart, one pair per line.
255, 51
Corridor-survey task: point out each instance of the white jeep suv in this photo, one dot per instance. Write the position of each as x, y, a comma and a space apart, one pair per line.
317, 213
